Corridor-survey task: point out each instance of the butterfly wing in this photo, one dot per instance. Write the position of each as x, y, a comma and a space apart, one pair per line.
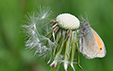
88, 44
100, 43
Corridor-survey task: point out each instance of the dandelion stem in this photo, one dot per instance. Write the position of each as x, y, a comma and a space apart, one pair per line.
78, 60
73, 48
56, 48
60, 50
67, 53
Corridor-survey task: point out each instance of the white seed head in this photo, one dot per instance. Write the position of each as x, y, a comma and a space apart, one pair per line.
68, 21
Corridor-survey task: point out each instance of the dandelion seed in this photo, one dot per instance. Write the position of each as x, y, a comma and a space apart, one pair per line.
52, 39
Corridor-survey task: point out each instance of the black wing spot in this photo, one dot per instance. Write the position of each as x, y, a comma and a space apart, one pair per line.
100, 48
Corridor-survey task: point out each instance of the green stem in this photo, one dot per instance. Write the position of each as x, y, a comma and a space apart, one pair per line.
73, 48
67, 53
78, 60
56, 41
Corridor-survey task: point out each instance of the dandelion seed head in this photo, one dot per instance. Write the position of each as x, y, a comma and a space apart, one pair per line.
35, 30
49, 44
68, 21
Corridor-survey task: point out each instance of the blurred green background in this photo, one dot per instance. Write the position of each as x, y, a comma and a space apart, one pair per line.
13, 53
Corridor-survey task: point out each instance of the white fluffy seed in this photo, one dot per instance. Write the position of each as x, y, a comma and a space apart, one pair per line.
68, 21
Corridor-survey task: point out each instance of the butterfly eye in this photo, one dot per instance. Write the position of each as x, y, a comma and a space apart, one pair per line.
87, 24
